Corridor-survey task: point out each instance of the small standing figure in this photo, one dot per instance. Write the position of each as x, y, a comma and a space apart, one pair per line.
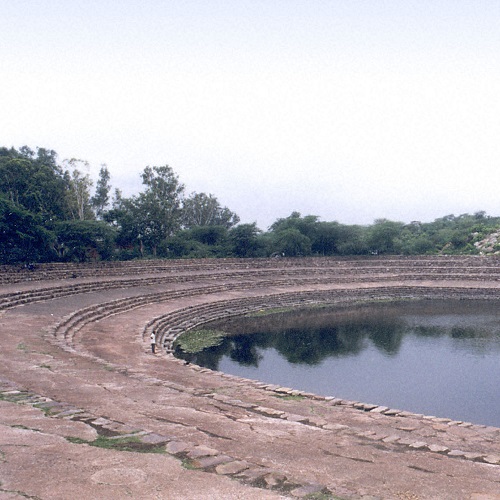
153, 343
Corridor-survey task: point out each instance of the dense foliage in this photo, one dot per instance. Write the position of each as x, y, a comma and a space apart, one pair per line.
48, 212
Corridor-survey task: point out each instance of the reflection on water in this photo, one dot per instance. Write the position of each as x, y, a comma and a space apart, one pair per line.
432, 357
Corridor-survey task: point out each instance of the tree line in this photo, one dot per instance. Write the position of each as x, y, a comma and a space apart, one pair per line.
51, 211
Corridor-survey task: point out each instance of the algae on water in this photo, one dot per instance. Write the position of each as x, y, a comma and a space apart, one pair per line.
194, 341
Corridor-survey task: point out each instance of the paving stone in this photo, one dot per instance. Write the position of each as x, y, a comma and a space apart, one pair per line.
418, 445
406, 441
380, 409
212, 461
202, 451
436, 448
392, 412
335, 401
285, 390
230, 468
153, 439
391, 439
492, 459
177, 447
295, 418
473, 456
456, 453
101, 421
365, 433
254, 474
269, 412
317, 421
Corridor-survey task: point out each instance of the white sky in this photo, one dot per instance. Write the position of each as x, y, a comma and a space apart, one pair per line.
351, 110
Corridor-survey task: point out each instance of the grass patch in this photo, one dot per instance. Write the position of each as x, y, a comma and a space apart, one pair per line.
289, 397
129, 443
187, 464
194, 341
22, 347
268, 312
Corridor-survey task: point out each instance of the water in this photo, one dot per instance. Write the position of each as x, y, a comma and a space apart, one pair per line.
438, 358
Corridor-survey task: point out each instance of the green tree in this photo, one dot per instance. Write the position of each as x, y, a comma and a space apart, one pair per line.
82, 241
100, 200
79, 189
382, 236
156, 212
34, 182
292, 243
22, 235
326, 237
200, 209
245, 240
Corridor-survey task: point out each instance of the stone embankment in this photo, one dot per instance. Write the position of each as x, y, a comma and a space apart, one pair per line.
77, 380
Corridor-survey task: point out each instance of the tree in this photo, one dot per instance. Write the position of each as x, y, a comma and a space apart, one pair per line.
82, 241
200, 209
34, 182
292, 243
22, 235
79, 185
382, 236
326, 236
157, 210
100, 200
245, 240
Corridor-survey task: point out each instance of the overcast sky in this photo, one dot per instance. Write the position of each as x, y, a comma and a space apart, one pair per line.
351, 110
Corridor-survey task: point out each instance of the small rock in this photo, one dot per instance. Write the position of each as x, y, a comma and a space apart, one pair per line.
177, 447
274, 479
492, 459
211, 461
234, 467
436, 448
202, 451
418, 445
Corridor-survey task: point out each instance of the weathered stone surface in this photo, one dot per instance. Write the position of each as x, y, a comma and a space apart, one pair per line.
492, 459
380, 409
391, 439
210, 461
102, 365
307, 489
335, 427
274, 479
436, 448
317, 421
177, 447
296, 418
230, 468
269, 412
418, 445
153, 439
202, 451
